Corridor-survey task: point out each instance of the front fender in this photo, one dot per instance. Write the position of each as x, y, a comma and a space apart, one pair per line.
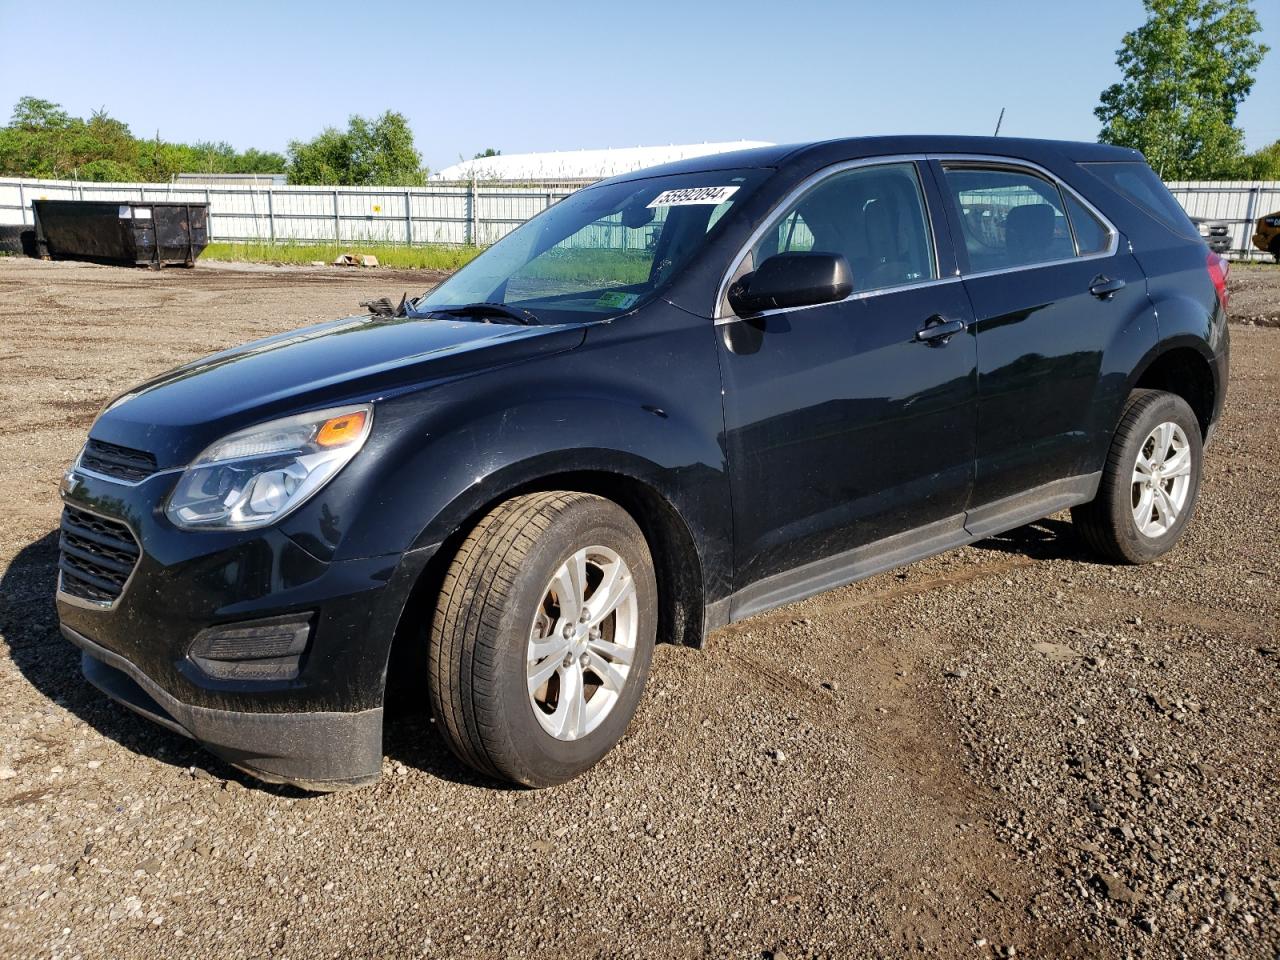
454, 449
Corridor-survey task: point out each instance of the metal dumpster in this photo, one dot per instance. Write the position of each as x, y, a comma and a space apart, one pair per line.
135, 232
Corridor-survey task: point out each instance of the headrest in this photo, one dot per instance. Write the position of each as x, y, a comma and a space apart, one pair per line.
1029, 227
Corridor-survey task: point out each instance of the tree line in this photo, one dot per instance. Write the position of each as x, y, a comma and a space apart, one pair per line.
43, 140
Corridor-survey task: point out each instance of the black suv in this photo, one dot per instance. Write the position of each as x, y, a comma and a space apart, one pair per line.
675, 399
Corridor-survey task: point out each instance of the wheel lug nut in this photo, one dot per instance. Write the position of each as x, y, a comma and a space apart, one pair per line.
568, 661
583, 659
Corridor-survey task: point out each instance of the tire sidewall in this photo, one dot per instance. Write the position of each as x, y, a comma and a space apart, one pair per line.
1163, 407
543, 759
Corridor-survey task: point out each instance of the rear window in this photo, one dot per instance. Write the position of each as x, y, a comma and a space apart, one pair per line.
1139, 183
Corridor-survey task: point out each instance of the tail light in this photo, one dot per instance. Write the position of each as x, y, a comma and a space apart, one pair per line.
1219, 269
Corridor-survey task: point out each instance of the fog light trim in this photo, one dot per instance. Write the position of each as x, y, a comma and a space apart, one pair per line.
269, 649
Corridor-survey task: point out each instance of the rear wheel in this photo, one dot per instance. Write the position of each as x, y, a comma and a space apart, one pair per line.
1150, 483
543, 636
1275, 247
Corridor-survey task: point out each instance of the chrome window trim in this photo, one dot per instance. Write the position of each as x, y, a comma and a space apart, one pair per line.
859, 295
1016, 164
1027, 166
124, 587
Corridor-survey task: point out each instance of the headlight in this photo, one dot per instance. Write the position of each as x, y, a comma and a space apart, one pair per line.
254, 477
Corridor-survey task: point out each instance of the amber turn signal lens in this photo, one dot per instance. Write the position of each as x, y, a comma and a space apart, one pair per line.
340, 430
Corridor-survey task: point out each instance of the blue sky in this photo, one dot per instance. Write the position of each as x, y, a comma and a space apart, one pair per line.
543, 76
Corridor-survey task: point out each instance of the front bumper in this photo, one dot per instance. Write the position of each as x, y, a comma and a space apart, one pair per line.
316, 751
320, 726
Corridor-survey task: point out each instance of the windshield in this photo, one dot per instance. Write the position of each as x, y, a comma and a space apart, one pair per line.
600, 251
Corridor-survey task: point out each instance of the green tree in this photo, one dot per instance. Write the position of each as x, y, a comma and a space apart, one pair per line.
37, 141
377, 152
32, 114
43, 140
325, 158
1263, 164
488, 152
1185, 72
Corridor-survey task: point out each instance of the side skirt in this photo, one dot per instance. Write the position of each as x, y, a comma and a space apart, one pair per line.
902, 548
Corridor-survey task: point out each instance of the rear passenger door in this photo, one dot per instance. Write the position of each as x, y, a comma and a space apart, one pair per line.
1052, 287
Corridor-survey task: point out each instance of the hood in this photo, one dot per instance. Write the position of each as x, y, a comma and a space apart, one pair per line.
179, 413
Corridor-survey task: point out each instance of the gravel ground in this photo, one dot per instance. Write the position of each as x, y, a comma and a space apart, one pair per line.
1008, 749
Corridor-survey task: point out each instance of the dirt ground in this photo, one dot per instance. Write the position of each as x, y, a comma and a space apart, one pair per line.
1011, 748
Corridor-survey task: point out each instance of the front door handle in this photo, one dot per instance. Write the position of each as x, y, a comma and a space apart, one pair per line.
937, 330
1104, 288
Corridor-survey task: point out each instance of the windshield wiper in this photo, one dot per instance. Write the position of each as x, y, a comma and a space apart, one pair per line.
488, 312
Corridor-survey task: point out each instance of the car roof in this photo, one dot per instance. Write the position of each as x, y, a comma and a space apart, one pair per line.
855, 148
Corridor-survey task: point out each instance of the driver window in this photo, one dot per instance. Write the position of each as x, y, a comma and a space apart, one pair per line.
874, 216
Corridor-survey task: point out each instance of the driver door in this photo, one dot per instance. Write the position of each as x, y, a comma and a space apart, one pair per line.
850, 439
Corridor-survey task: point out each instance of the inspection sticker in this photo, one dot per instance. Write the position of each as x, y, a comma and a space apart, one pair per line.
693, 195
617, 300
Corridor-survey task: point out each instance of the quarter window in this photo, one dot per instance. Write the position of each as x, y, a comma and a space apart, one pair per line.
874, 216
1091, 235
1008, 218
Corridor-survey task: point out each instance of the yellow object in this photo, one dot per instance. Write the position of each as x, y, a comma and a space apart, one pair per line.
341, 430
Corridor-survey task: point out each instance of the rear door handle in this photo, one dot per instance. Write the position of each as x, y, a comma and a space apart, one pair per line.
937, 331
1104, 288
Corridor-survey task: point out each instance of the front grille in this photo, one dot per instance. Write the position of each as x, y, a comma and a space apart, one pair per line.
122, 463
96, 556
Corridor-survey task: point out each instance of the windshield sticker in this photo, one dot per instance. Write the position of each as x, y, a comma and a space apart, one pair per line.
617, 300
693, 195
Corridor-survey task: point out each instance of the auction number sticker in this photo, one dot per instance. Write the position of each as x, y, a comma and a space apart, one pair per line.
689, 196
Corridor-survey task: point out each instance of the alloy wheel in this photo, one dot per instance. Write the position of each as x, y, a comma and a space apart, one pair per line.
582, 643
1161, 480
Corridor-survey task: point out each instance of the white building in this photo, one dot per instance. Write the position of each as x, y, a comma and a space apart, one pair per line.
583, 164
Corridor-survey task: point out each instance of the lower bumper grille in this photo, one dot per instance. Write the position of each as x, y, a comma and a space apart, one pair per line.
96, 556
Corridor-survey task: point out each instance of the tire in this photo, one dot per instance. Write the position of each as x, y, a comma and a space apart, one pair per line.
1110, 523
497, 594
1275, 248
17, 240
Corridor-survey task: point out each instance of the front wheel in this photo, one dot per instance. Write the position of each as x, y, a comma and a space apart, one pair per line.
1150, 482
542, 637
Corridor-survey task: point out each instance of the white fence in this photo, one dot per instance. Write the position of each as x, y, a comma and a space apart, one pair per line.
1238, 203
467, 213
453, 213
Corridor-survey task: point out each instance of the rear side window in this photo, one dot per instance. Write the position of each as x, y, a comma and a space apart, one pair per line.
1009, 218
873, 215
1139, 183
1091, 235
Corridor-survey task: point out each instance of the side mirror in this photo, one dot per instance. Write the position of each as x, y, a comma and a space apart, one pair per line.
788, 280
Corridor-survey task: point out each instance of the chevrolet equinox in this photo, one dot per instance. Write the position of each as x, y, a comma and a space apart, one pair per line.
674, 399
